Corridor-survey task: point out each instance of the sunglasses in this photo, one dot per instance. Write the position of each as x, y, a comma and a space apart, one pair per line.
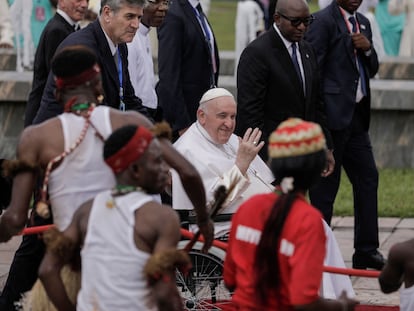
158, 3
296, 21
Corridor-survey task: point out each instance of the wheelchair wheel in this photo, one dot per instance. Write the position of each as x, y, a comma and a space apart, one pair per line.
203, 287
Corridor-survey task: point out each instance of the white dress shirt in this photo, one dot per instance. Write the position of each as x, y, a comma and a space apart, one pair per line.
141, 67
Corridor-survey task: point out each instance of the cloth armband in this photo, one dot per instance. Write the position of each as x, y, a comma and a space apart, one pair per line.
58, 244
162, 130
13, 167
160, 264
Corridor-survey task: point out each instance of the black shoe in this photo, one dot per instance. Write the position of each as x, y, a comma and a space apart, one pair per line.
363, 260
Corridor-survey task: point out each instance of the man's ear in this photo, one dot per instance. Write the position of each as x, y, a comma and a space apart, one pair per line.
106, 13
201, 116
276, 19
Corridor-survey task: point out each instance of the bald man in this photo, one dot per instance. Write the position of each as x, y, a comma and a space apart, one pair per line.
272, 85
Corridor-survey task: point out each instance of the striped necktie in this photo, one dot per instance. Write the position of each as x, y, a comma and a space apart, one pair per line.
361, 69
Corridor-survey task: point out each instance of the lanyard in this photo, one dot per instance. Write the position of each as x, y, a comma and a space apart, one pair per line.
121, 89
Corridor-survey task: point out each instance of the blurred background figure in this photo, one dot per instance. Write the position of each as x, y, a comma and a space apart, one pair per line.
249, 24
407, 39
20, 12
367, 8
391, 27
28, 20
6, 30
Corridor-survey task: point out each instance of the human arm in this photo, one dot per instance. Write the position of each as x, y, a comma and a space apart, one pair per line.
249, 147
392, 274
62, 248
363, 44
330, 163
14, 218
160, 268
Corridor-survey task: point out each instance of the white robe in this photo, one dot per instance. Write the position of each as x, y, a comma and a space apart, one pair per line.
407, 37
407, 298
249, 22
333, 284
216, 165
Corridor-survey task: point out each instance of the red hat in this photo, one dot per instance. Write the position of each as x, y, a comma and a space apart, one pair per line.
295, 137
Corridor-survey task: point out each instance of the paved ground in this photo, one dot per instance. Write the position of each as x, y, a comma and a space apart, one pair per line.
392, 230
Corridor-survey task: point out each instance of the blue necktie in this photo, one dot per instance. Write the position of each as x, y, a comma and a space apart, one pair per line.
361, 69
201, 18
296, 63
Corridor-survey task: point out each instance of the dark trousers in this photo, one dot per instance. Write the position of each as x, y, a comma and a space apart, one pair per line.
25, 265
353, 152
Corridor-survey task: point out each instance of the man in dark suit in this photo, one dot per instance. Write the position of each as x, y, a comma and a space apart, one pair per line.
342, 40
188, 63
65, 21
107, 37
273, 86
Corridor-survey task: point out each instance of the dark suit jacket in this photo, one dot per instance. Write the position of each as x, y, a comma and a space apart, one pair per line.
93, 37
269, 90
56, 30
330, 38
184, 65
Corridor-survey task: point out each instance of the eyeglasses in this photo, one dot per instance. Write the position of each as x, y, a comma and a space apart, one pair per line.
158, 3
296, 21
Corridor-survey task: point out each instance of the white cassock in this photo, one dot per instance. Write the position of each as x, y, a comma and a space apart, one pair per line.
216, 165
333, 284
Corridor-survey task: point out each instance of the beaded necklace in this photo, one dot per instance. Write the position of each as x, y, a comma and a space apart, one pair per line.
42, 206
119, 190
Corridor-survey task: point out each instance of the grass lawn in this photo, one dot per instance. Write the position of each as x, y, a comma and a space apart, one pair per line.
395, 194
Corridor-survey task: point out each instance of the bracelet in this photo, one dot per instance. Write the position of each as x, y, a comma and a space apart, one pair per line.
344, 305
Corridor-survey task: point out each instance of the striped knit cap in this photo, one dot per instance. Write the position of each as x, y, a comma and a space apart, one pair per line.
295, 137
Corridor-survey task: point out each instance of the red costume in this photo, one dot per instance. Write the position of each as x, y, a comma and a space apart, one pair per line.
301, 253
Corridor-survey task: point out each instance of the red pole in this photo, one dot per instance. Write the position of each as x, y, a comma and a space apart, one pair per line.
187, 234
35, 230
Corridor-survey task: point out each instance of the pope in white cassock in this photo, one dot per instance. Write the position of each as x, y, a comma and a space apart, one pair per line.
222, 158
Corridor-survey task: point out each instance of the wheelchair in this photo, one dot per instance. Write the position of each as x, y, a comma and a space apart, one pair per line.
203, 287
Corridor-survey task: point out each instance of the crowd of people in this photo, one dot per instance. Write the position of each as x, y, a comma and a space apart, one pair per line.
107, 150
